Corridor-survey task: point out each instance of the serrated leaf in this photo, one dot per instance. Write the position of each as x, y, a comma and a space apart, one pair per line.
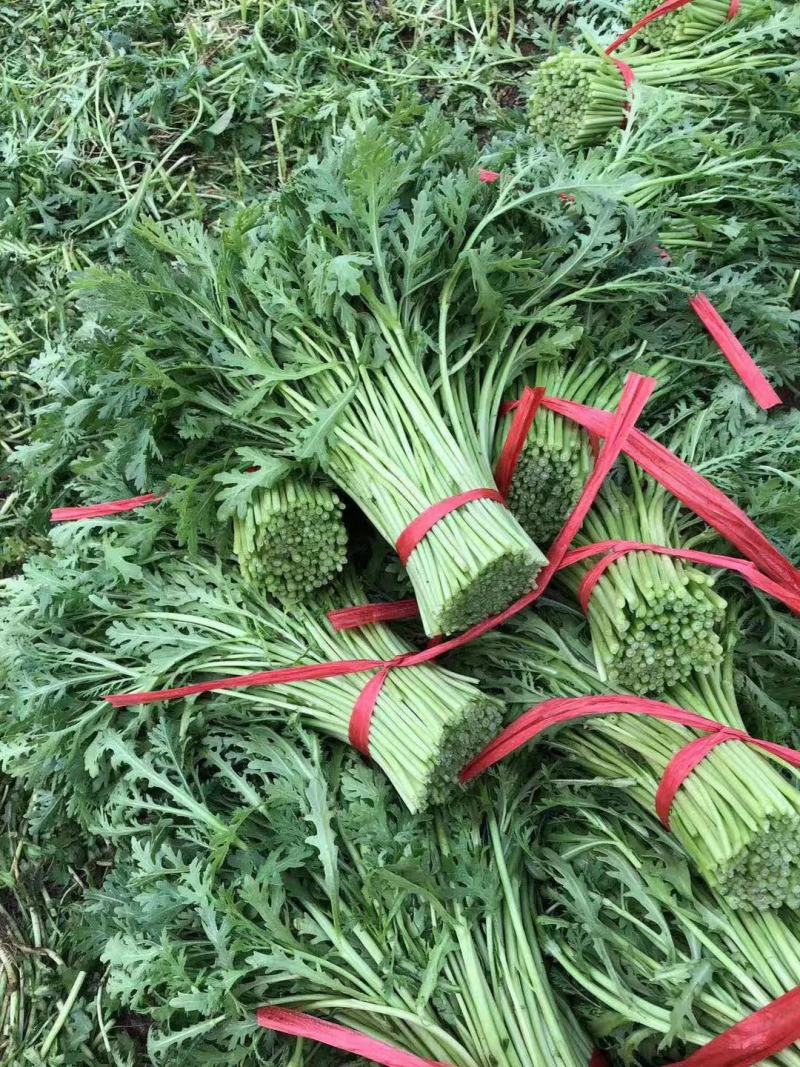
240, 485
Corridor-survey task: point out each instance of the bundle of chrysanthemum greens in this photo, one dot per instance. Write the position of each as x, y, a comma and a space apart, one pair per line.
291, 539
669, 964
579, 98
654, 620
418, 931
308, 324
557, 458
697, 18
737, 815
175, 619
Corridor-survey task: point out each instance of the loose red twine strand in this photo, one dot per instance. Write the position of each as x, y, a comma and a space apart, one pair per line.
362, 711
353, 618
99, 511
617, 549
766, 1032
734, 351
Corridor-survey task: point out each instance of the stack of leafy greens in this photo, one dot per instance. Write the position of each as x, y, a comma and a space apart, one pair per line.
654, 961
165, 621
249, 264
334, 900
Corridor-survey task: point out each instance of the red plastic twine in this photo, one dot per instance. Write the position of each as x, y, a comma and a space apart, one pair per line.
369, 614
765, 1033
735, 352
363, 709
617, 549
692, 489
517, 436
420, 527
555, 712
298, 1024
634, 396
628, 76
99, 511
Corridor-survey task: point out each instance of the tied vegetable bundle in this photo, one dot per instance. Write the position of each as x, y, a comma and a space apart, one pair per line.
667, 964
419, 931
580, 98
654, 620
737, 815
180, 620
309, 326
695, 19
557, 456
290, 539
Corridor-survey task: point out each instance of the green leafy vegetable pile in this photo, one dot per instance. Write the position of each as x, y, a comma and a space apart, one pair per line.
283, 269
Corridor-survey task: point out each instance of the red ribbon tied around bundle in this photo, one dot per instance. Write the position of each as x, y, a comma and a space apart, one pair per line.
615, 550
363, 710
659, 13
681, 480
420, 527
561, 710
99, 511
